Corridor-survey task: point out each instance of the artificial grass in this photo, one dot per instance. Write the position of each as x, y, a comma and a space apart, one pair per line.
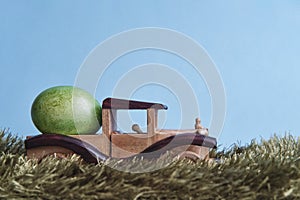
261, 170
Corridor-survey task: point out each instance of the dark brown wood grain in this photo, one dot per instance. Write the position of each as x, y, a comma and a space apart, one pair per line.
113, 103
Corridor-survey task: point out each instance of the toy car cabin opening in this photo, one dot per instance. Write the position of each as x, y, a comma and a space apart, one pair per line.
192, 143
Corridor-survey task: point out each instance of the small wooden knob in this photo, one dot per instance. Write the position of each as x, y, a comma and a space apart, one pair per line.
136, 128
198, 123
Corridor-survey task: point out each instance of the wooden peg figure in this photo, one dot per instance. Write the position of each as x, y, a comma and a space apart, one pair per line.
198, 123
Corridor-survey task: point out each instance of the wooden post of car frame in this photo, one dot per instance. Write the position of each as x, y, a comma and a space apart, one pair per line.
109, 117
151, 124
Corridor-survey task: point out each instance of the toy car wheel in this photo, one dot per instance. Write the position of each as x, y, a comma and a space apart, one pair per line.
54, 155
189, 155
60, 156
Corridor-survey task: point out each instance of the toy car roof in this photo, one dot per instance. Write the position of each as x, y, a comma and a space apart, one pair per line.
114, 103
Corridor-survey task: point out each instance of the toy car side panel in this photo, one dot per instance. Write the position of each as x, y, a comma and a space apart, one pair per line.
188, 141
126, 145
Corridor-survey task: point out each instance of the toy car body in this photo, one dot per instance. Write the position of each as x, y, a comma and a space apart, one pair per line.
192, 143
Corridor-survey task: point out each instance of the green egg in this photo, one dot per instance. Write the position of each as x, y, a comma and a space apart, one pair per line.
66, 110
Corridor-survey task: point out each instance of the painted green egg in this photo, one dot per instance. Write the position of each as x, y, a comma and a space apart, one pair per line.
66, 110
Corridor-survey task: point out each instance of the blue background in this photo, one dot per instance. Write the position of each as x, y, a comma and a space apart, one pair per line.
254, 44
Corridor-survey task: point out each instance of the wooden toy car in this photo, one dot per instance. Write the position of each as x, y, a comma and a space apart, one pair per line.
194, 143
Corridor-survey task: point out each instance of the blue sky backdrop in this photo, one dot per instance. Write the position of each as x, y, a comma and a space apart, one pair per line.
254, 44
